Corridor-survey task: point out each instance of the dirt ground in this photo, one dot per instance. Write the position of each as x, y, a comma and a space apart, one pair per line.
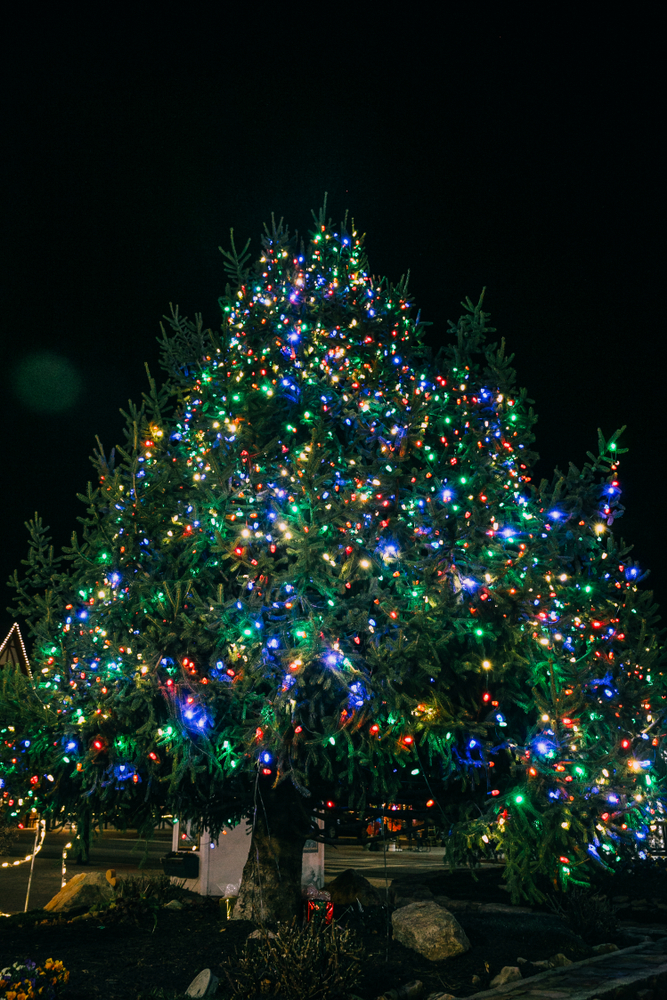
122, 962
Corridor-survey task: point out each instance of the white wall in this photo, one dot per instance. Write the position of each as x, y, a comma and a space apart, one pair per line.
221, 863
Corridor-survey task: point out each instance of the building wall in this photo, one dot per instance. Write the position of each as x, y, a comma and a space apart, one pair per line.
221, 863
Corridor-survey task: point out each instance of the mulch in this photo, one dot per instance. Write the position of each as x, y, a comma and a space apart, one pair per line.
122, 962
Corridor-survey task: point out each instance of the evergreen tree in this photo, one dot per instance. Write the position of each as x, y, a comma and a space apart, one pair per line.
319, 570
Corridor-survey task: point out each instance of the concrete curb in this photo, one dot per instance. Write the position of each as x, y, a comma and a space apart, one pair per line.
610, 976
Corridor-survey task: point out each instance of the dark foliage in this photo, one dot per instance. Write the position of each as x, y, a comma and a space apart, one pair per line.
589, 914
311, 962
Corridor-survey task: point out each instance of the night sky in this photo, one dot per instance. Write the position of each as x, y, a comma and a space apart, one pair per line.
525, 157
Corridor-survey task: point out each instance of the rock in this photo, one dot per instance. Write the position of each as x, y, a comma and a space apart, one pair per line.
522, 961
411, 991
80, 893
203, 985
604, 949
430, 930
173, 904
508, 974
255, 935
458, 905
503, 908
558, 961
350, 887
476, 981
403, 893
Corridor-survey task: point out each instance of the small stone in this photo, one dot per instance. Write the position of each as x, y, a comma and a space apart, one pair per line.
203, 985
521, 961
476, 980
604, 949
428, 929
255, 935
559, 961
508, 974
542, 963
173, 904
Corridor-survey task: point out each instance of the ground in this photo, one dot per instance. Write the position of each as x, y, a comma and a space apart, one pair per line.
126, 962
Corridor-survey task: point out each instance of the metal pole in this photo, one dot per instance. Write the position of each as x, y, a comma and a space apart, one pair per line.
32, 862
63, 868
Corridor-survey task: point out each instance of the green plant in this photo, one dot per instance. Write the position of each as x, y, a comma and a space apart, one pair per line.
587, 913
311, 962
136, 898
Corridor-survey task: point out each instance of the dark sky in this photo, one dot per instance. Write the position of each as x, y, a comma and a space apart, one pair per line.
518, 154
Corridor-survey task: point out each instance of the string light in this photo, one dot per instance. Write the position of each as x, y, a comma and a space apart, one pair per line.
369, 506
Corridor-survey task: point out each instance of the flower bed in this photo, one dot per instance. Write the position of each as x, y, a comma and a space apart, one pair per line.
29, 981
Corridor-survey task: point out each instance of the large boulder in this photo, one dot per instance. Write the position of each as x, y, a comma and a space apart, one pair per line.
429, 929
350, 886
80, 893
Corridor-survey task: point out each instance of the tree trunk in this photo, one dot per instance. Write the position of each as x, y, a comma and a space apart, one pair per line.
271, 884
84, 832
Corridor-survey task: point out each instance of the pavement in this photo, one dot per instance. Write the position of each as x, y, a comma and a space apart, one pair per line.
636, 972
380, 866
113, 849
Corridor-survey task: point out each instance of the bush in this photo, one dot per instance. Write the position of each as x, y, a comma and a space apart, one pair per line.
587, 913
311, 962
31, 981
136, 899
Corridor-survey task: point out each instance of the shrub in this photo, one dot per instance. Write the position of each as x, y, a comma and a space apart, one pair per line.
311, 962
136, 899
587, 913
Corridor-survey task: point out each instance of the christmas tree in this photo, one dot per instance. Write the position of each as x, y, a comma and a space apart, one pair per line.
318, 569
